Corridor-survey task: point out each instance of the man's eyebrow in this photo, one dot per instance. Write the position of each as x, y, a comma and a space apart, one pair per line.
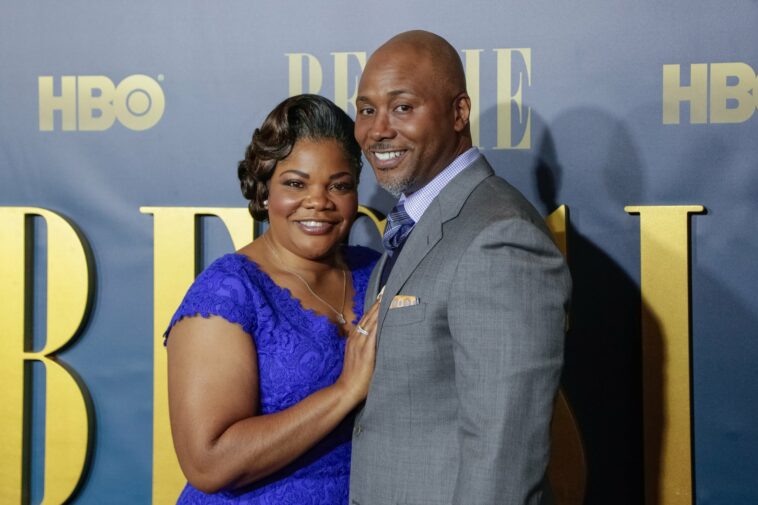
394, 92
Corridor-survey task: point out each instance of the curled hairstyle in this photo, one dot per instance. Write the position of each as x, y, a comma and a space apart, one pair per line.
310, 117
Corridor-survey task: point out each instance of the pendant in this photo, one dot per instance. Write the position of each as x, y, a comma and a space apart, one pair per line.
341, 319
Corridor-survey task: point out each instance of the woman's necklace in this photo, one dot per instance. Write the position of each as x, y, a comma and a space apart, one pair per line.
338, 313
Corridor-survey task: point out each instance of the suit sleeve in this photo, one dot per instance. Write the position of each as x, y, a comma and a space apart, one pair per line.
507, 313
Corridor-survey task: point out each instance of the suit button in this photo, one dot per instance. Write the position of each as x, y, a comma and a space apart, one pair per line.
357, 430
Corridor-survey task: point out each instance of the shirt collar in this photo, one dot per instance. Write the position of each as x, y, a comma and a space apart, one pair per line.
417, 202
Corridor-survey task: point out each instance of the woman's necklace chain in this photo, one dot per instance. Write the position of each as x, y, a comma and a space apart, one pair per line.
338, 313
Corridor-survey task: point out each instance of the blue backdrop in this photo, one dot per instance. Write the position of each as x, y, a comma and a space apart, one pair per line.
591, 76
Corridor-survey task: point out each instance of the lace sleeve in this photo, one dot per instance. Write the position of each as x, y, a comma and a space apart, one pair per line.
223, 289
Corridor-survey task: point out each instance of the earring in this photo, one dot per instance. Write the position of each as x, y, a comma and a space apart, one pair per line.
265, 204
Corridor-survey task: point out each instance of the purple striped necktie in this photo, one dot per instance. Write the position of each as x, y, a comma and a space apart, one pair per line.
399, 225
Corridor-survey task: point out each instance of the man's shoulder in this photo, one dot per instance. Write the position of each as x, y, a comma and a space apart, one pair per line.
494, 201
482, 179
478, 197
501, 199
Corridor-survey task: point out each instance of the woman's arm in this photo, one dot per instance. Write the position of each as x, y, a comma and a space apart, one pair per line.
214, 395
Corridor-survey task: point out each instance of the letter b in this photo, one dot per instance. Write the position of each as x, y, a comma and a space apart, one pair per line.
91, 101
741, 93
67, 416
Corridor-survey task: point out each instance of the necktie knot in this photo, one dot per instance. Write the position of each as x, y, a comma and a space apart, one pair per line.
399, 225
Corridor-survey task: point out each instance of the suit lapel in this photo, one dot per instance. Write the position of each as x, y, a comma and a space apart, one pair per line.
428, 231
424, 236
372, 290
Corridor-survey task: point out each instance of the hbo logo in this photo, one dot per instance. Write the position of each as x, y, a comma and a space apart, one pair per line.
93, 102
715, 93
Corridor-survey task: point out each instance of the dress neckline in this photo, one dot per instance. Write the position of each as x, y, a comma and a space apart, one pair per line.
286, 294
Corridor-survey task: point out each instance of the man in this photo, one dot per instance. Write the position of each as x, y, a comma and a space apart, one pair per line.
470, 332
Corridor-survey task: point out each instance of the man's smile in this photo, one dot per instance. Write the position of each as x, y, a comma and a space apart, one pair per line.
386, 156
386, 159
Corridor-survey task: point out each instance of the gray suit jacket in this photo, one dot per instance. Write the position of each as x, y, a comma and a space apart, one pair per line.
461, 400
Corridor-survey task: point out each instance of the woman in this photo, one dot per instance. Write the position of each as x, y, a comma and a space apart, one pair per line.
259, 397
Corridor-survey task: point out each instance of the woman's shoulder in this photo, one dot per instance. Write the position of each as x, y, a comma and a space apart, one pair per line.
232, 267
361, 261
231, 262
231, 286
359, 257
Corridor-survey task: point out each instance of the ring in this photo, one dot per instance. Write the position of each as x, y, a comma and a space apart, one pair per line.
360, 330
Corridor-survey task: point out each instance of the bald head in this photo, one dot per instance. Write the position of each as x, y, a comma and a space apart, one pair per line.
413, 110
429, 50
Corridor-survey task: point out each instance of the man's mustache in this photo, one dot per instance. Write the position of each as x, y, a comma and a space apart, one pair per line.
381, 146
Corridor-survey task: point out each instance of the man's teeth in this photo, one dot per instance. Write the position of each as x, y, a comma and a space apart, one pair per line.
388, 156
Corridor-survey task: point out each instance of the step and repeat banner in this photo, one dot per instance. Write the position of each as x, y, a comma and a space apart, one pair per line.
632, 124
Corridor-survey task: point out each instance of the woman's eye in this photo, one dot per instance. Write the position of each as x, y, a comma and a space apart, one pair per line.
294, 183
343, 186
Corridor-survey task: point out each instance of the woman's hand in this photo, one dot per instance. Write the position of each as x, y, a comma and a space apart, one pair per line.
360, 356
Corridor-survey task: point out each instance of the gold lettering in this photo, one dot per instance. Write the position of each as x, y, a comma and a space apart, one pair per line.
375, 216
556, 222
89, 102
174, 269
506, 98
13, 315
342, 81
567, 470
472, 57
315, 75
741, 92
67, 410
696, 94
139, 102
49, 103
664, 265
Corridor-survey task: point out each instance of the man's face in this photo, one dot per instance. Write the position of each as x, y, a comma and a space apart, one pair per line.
406, 122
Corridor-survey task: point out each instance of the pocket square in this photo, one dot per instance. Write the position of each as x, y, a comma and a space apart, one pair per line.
404, 301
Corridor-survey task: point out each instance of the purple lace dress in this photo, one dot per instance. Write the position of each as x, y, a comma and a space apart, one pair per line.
299, 352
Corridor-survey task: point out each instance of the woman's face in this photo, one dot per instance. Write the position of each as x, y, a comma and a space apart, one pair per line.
312, 199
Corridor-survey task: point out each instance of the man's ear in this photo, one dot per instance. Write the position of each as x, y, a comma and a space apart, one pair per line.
462, 106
